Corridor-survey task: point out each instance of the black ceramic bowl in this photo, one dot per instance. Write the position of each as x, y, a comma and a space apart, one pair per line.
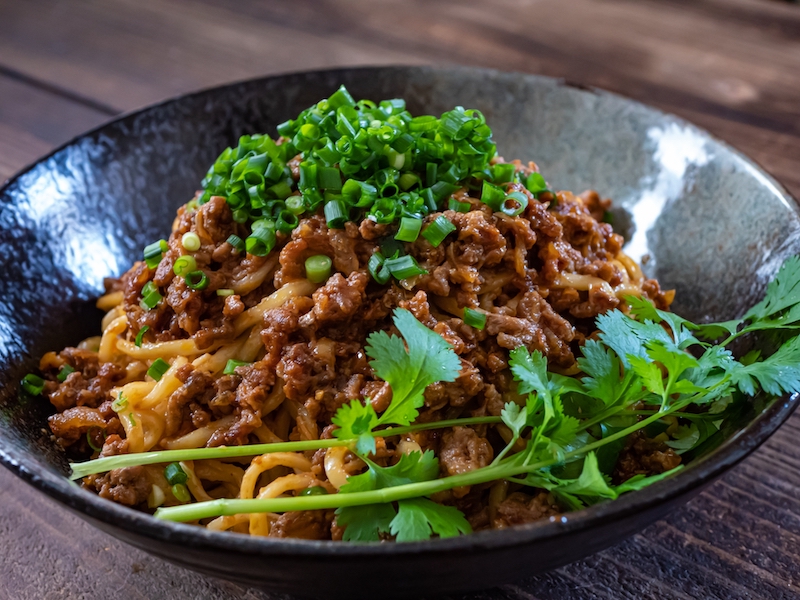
715, 226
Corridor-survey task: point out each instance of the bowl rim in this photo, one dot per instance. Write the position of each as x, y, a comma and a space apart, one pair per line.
698, 474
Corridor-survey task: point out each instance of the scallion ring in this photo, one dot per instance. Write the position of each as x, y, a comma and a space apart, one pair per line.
191, 241
184, 264
409, 229
318, 268
196, 280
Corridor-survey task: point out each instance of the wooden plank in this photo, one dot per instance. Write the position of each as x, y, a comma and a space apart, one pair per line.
727, 73
32, 121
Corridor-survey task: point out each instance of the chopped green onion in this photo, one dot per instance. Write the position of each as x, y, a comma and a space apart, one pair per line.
330, 179
184, 264
458, 206
474, 318
89, 439
225, 292
64, 372
438, 230
181, 493
407, 181
174, 474
158, 368
503, 172
318, 268
409, 229
521, 200
196, 280
376, 268
150, 296
261, 241
140, 336
316, 490
154, 252
294, 204
191, 241
335, 214
33, 384
492, 196
236, 242
403, 267
231, 365
121, 403
536, 183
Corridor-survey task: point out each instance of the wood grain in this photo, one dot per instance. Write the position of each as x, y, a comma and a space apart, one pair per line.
731, 66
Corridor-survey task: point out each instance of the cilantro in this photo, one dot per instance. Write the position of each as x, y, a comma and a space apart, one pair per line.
428, 359
648, 371
417, 518
365, 523
356, 421
409, 367
778, 374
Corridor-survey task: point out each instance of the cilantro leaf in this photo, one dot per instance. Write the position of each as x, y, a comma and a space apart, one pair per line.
413, 467
627, 337
777, 374
514, 417
645, 310
603, 368
782, 292
356, 421
418, 518
637, 482
685, 438
591, 481
414, 520
365, 523
530, 370
428, 359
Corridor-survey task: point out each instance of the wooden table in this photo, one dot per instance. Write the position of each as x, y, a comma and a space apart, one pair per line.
731, 66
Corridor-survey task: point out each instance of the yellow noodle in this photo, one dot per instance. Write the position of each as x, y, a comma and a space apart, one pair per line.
163, 350
259, 523
110, 300
90, 343
334, 466
165, 386
266, 436
110, 316
199, 437
252, 316
265, 462
251, 281
215, 470
193, 483
225, 523
108, 343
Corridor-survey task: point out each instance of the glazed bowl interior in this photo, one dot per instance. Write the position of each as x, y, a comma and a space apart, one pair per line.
707, 222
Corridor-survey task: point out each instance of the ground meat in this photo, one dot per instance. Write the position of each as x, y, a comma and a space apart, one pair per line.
643, 456
307, 525
520, 508
127, 486
462, 450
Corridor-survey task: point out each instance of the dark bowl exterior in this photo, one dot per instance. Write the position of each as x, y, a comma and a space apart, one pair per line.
714, 225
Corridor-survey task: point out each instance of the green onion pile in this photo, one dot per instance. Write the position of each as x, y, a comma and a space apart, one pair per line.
364, 160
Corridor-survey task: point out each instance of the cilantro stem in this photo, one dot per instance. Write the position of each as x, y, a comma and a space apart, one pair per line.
508, 468
108, 463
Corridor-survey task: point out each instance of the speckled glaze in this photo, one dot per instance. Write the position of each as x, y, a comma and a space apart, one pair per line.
715, 226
